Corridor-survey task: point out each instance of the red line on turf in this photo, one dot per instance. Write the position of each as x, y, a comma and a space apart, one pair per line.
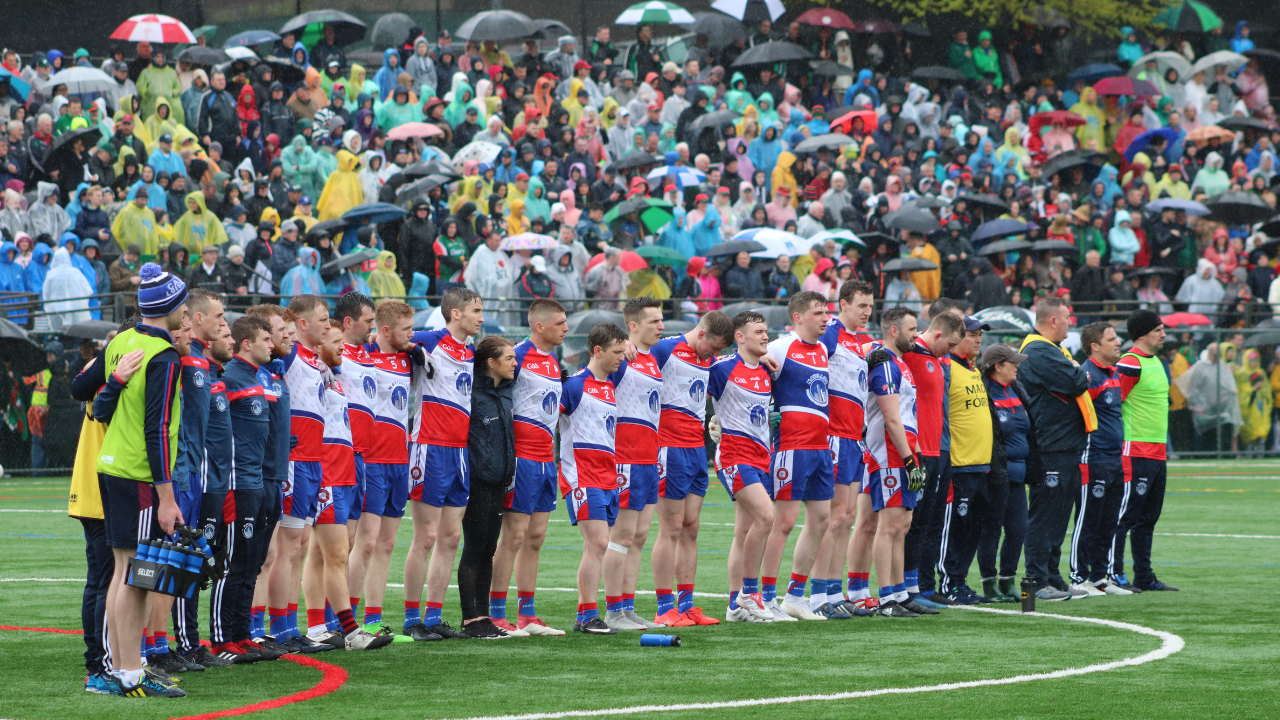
60, 631
332, 678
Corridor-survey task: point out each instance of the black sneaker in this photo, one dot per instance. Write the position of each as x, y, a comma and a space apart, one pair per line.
169, 662
240, 653
332, 640
594, 626
894, 609
1056, 582
161, 675
443, 629
942, 599
919, 609
485, 630
271, 650
973, 594
422, 633
202, 656
959, 596
152, 685
303, 644
1157, 586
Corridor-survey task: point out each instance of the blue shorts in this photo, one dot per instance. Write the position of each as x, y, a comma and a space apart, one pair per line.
803, 475
301, 487
386, 489
736, 477
439, 476
849, 457
356, 496
533, 488
682, 471
637, 486
333, 504
889, 489
129, 511
592, 504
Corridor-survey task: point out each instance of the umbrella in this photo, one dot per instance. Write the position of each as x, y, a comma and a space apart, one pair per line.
630, 261
580, 323
926, 202
378, 212
873, 239
826, 17
845, 121
420, 187
987, 200
528, 241
829, 69
1242, 123
733, 247
772, 52
776, 242
19, 89
62, 144
876, 26
1054, 117
775, 316
1073, 159
1046, 17
660, 255
683, 177
432, 167
655, 11
154, 28
84, 80
915, 28
640, 159
1203, 134
549, 29
1239, 208
1140, 272
243, 53
90, 329
497, 25
25, 356
250, 37
1140, 143
205, 31
1189, 16
711, 120
332, 227
346, 28
909, 264
937, 72
1004, 246
478, 150
285, 70
653, 213
751, 12
720, 28
1272, 227
201, 55
818, 142
1264, 338
1185, 318
392, 30
1053, 245
1093, 73
1005, 227
1125, 86
1191, 207
841, 236
345, 261
920, 221
1164, 61
1231, 60
1007, 318
414, 130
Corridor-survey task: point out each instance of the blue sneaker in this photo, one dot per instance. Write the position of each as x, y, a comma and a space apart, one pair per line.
1157, 586
920, 599
97, 684
1122, 581
833, 612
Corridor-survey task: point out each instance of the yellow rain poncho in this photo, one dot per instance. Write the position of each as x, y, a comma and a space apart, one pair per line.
157, 126
198, 227
647, 283
134, 225
1092, 135
516, 222
472, 189
342, 191
139, 125
1013, 143
571, 103
1254, 389
384, 282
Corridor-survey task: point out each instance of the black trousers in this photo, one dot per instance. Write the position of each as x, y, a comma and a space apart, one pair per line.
93, 605
232, 594
1097, 509
1142, 502
930, 511
1007, 512
186, 613
481, 526
914, 544
967, 509
1049, 513
271, 507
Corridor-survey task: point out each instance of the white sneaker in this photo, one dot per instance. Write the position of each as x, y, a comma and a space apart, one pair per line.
1110, 588
1077, 592
618, 621
778, 615
360, 639
1087, 588
739, 614
753, 607
799, 609
537, 627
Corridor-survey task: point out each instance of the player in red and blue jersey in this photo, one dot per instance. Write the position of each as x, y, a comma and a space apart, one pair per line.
802, 470
684, 361
741, 389
356, 313
896, 476
439, 480
847, 365
531, 493
588, 471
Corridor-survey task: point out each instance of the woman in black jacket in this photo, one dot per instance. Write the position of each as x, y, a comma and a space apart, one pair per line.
491, 455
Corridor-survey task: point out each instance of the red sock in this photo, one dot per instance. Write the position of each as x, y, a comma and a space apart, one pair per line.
412, 605
355, 603
768, 581
348, 620
628, 596
293, 608
150, 640
277, 612
315, 617
494, 595
859, 576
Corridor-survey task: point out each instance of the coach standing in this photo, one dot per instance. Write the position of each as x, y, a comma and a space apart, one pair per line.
1062, 415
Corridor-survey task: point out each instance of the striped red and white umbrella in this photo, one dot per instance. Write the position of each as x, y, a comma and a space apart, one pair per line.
154, 28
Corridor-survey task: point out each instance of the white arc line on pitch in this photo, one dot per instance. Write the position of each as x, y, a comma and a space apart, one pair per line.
1221, 535
1169, 645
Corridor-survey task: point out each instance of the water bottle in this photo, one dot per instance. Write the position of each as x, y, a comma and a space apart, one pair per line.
1029, 588
656, 640
144, 549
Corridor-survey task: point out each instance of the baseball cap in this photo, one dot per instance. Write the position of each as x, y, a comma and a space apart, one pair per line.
539, 263
702, 197
973, 324
166, 138
1000, 353
209, 249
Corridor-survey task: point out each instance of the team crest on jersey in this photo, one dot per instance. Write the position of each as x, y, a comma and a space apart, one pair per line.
698, 391
817, 391
323, 497
928, 365
1099, 491
255, 407
416, 473
1051, 479
891, 481
277, 388
1142, 486
1106, 398
399, 397
463, 383
198, 378
247, 531
759, 417
962, 509
622, 480
610, 423
783, 474
654, 405
579, 493
221, 403
1004, 416
550, 403
321, 393
208, 532
370, 387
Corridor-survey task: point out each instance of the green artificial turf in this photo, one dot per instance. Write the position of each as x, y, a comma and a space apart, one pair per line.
1226, 614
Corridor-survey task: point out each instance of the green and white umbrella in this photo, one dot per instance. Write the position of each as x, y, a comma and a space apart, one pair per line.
1189, 16
655, 11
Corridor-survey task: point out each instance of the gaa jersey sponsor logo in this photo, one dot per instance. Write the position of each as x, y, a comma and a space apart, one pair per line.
698, 391
550, 403
759, 416
416, 473
323, 497
862, 380
369, 386
783, 474
400, 397
610, 424
817, 390
655, 404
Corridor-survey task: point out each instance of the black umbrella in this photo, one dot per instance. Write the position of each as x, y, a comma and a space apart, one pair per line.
1053, 245
926, 202
431, 167
937, 72
920, 221
346, 28
637, 160
1263, 338
248, 38
733, 247
392, 30
25, 356
497, 25
909, 265
1239, 208
719, 28
90, 329
772, 52
1141, 272
829, 68
1241, 123
635, 204
62, 144
331, 227
999, 229
985, 199
1271, 228
915, 28
201, 55
345, 261
711, 120
818, 142
1007, 318
285, 70
1004, 246
1070, 159
873, 239
420, 187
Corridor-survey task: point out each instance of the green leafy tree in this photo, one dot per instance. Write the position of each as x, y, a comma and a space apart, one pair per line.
1106, 16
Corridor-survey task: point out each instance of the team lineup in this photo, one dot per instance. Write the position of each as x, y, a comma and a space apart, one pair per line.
301, 440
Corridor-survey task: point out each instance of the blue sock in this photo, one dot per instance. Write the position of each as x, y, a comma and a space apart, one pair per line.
525, 605
613, 603
330, 620
900, 587
498, 605
162, 644
586, 611
293, 620
412, 614
911, 580
817, 586
666, 601
685, 595
148, 645
279, 624
886, 593
750, 586
796, 587
433, 615
629, 601
258, 623
769, 589
834, 590
371, 618
733, 600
